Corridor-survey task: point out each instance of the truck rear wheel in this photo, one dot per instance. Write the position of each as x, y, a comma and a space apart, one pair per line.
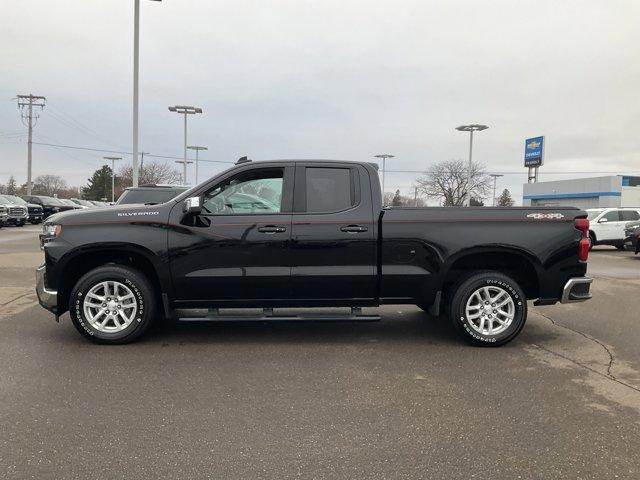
112, 304
488, 309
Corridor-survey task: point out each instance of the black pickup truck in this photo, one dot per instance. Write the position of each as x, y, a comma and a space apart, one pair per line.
270, 235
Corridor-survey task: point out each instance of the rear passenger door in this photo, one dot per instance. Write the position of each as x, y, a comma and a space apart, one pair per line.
333, 244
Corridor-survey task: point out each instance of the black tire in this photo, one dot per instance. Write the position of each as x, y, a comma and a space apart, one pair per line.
621, 247
144, 296
592, 240
461, 293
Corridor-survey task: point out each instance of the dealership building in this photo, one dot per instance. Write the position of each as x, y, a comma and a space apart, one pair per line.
610, 191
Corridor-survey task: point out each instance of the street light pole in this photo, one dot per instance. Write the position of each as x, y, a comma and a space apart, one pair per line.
136, 69
186, 110
470, 128
495, 178
183, 175
113, 175
384, 157
197, 149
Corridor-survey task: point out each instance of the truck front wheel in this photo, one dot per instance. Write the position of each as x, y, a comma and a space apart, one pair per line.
112, 304
488, 309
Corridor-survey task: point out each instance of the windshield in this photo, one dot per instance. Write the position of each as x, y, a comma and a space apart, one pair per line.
14, 199
149, 196
593, 214
50, 201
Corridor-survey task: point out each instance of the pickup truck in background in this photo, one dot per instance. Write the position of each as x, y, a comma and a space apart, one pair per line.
278, 234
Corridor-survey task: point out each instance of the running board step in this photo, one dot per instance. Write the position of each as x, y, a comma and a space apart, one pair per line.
213, 315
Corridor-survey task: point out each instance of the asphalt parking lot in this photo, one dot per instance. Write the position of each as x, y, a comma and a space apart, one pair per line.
400, 398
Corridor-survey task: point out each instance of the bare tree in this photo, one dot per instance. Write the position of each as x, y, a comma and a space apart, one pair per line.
447, 181
49, 185
151, 172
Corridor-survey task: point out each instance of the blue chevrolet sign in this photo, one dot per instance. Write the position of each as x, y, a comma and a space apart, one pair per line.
533, 152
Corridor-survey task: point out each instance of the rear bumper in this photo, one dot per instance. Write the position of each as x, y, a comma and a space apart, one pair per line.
576, 290
47, 298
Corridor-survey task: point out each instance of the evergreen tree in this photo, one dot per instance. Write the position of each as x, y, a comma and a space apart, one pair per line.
397, 199
505, 200
99, 185
474, 202
12, 187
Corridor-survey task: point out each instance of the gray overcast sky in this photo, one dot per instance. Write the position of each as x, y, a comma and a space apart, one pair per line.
327, 79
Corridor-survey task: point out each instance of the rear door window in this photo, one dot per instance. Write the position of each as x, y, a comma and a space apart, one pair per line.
629, 215
328, 189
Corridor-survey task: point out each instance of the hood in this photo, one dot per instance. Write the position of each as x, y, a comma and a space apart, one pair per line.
124, 213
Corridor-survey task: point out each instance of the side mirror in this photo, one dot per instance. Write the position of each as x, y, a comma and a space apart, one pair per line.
192, 205
603, 220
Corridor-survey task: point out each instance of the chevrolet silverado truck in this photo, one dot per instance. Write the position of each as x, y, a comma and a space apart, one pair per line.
285, 234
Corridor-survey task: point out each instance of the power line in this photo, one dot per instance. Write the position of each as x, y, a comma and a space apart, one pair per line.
122, 152
422, 172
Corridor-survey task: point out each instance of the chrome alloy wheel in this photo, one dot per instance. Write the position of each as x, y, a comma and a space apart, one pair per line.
490, 310
110, 306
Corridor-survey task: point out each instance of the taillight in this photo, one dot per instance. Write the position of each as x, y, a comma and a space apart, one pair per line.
582, 224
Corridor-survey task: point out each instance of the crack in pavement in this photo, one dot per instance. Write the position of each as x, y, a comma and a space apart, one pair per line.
607, 375
14, 299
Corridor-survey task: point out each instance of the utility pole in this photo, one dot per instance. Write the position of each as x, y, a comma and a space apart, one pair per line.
142, 154
470, 128
197, 149
495, 177
415, 196
384, 157
26, 103
185, 110
113, 175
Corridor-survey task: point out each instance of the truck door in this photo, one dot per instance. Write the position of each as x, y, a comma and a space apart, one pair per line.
237, 249
333, 244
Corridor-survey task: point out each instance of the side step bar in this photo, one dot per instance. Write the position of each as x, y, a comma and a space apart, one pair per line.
214, 315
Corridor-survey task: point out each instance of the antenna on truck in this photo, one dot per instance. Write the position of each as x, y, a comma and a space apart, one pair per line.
242, 160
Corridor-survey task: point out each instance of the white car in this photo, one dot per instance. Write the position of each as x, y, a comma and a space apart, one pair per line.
606, 225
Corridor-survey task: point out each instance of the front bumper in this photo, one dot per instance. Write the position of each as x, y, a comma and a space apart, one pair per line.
576, 290
47, 298
14, 219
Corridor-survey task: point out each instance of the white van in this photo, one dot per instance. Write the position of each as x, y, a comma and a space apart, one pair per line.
606, 225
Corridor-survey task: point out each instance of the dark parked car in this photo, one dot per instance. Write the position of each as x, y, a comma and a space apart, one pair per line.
71, 203
35, 211
632, 236
150, 194
50, 205
82, 203
308, 234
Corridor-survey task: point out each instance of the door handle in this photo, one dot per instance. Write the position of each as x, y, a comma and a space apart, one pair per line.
353, 229
271, 229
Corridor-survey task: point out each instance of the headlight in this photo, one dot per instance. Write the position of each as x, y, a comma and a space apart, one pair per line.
51, 230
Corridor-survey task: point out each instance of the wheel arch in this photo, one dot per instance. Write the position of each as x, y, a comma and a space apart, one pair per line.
523, 267
78, 263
